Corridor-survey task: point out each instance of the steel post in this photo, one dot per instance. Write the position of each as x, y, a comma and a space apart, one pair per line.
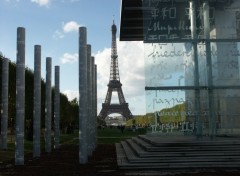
196, 69
212, 122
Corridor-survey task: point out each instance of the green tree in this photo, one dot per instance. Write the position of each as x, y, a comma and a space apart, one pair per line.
68, 109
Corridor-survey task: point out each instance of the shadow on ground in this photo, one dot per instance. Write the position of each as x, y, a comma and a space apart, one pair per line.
64, 161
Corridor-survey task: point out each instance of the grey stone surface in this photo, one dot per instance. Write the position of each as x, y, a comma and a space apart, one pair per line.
4, 112
20, 96
89, 101
83, 109
48, 105
57, 107
37, 102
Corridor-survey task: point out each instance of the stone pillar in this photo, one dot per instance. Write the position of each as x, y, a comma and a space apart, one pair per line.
89, 94
4, 112
93, 104
83, 95
48, 104
37, 102
20, 97
56, 107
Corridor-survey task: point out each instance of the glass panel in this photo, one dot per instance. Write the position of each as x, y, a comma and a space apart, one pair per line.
225, 63
227, 103
192, 87
175, 112
162, 99
169, 20
173, 64
167, 108
167, 64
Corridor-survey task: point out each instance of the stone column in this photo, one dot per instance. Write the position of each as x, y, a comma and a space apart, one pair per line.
20, 97
94, 116
37, 102
89, 94
4, 112
83, 95
95, 102
48, 104
56, 107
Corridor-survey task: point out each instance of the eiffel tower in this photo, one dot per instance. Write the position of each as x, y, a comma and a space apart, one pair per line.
114, 85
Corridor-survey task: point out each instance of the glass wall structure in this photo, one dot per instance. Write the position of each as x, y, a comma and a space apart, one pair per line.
192, 69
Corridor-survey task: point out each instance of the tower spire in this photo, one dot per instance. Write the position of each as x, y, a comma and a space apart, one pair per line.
114, 72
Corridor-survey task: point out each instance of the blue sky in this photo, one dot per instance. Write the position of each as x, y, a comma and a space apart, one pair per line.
54, 24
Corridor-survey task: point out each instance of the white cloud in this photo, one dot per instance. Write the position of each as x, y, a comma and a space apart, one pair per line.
42, 2
71, 1
70, 26
71, 94
58, 35
69, 58
13, 1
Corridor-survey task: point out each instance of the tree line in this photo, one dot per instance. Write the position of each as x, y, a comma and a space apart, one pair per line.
167, 115
68, 109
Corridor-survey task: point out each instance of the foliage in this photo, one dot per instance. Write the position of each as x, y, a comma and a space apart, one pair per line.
141, 120
173, 114
68, 109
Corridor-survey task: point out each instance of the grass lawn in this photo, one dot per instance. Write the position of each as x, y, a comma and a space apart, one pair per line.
9, 154
113, 135
104, 136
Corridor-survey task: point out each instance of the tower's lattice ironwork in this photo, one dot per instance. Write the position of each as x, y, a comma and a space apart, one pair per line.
114, 85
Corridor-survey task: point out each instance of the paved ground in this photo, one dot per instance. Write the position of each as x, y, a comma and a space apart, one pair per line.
64, 161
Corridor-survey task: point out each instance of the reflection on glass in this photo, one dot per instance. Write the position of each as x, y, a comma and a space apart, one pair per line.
170, 20
186, 92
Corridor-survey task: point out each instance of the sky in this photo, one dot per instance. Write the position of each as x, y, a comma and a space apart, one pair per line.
54, 24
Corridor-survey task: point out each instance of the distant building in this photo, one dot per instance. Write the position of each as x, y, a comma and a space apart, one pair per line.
115, 121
